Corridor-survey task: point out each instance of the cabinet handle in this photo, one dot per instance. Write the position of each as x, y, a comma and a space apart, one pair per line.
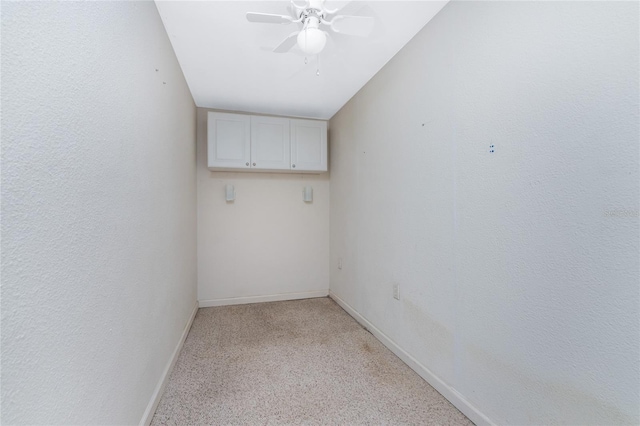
254, 164
293, 165
247, 164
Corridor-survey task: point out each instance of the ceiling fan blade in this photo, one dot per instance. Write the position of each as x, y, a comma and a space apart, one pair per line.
353, 25
347, 8
287, 43
268, 18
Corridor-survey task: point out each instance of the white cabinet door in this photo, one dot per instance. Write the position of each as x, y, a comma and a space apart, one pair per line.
229, 140
270, 145
308, 145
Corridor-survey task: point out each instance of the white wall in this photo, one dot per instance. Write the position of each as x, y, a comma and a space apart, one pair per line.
98, 210
268, 244
519, 269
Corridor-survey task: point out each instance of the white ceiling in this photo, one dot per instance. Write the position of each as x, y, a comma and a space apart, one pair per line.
228, 63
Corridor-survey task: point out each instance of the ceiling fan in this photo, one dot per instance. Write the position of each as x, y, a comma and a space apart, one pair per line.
314, 21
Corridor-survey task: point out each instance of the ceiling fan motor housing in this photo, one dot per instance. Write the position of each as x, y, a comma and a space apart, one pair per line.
306, 14
315, 4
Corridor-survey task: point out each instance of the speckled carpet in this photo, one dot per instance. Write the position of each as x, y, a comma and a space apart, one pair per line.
294, 362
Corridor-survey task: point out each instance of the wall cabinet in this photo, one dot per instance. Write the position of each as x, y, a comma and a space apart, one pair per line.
270, 143
309, 145
241, 142
229, 140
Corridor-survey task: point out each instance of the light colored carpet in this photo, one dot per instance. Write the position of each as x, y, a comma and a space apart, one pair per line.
294, 362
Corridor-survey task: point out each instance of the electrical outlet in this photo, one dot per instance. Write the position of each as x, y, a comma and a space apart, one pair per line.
339, 263
396, 291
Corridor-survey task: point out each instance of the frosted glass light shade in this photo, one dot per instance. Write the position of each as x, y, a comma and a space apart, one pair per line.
312, 40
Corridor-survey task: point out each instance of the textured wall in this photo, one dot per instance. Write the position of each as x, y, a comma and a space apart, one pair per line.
98, 210
268, 241
518, 269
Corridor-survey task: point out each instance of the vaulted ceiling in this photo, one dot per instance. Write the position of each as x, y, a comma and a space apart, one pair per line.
229, 64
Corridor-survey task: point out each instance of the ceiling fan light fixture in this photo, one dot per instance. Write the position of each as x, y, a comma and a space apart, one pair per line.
312, 40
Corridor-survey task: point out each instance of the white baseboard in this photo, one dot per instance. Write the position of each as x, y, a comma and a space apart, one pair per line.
457, 399
164, 379
258, 299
